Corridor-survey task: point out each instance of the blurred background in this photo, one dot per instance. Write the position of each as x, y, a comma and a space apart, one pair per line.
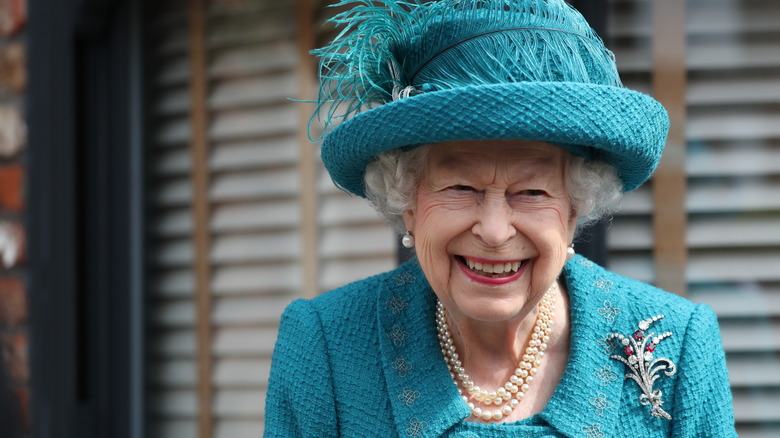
160, 202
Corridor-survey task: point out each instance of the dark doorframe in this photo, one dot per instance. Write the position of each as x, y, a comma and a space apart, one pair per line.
84, 218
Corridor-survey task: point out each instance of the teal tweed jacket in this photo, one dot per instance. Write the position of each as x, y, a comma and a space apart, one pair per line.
364, 361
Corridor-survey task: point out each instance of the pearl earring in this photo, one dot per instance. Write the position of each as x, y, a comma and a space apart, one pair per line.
408, 240
570, 252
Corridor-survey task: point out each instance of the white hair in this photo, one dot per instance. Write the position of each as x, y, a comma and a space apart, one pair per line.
391, 186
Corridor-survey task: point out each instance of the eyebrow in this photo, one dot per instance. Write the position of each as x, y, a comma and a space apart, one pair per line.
450, 161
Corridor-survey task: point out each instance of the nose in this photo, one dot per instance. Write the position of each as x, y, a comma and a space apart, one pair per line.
493, 223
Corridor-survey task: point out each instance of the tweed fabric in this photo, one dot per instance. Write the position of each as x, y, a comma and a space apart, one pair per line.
364, 361
625, 128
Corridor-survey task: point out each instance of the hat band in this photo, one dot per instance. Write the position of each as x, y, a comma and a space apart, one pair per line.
511, 29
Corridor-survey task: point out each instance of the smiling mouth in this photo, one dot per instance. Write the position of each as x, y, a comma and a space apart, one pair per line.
492, 270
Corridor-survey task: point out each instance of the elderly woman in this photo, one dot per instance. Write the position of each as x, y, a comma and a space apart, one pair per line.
488, 131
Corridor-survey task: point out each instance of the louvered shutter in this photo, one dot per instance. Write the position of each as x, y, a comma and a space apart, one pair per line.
255, 212
251, 52
171, 389
355, 242
733, 201
733, 174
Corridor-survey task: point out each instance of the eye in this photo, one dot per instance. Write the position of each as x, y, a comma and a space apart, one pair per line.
533, 192
463, 188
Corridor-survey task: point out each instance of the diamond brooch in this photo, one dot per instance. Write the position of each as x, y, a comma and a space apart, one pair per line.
644, 368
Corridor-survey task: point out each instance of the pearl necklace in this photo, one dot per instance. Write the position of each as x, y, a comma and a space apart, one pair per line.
515, 389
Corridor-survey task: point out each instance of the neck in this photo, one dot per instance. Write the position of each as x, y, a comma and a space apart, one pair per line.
491, 343
492, 350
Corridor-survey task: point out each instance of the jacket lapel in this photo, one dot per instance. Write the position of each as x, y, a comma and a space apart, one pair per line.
424, 400
585, 403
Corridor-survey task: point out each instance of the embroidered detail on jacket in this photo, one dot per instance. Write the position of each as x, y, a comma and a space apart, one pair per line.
402, 366
605, 375
415, 427
397, 305
639, 349
404, 278
607, 345
609, 312
600, 403
409, 396
604, 285
398, 336
586, 263
593, 431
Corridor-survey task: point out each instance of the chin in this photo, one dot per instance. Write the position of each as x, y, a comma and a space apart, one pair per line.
490, 309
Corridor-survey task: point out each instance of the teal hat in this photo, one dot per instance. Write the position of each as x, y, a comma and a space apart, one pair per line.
403, 74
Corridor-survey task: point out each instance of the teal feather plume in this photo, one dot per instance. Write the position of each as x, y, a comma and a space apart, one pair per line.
388, 50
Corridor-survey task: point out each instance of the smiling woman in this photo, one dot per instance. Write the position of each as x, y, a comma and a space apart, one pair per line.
487, 132
501, 205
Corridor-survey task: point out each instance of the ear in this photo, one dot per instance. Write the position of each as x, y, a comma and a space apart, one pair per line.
409, 220
572, 225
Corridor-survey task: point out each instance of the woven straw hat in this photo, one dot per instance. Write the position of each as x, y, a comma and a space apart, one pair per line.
404, 74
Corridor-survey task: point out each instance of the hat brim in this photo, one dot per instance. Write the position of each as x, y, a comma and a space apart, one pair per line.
622, 127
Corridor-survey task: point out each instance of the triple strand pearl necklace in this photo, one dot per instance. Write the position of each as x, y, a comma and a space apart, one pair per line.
507, 397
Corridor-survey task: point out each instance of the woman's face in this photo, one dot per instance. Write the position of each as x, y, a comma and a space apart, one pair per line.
492, 205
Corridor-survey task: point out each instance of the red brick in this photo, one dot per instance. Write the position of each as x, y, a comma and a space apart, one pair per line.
13, 71
13, 302
15, 354
11, 187
13, 16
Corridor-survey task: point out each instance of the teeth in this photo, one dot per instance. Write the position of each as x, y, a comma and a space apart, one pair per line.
493, 268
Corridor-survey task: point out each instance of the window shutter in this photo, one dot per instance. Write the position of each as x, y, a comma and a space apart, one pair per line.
171, 395
255, 212
733, 202
355, 242
733, 198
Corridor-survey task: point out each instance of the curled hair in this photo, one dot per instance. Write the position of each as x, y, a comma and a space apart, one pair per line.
594, 189
391, 186
391, 183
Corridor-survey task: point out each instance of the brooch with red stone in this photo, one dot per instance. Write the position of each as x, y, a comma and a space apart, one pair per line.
644, 367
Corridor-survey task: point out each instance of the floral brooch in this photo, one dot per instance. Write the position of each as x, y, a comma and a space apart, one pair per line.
639, 359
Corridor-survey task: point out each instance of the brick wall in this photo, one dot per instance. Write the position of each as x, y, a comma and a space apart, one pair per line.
13, 297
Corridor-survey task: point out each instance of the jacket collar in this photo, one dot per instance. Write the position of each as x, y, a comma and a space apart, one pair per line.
426, 403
